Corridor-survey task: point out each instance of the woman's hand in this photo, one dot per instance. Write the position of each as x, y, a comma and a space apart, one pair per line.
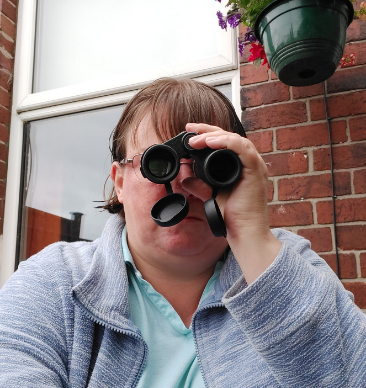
244, 208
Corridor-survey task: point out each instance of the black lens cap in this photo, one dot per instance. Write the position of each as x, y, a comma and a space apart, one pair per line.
170, 210
214, 218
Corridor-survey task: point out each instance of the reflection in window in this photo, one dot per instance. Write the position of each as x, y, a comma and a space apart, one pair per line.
68, 162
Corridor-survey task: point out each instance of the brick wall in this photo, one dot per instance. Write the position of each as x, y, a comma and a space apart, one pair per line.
8, 16
288, 126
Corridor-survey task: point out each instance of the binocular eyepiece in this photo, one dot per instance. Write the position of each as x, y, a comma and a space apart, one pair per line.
161, 163
218, 168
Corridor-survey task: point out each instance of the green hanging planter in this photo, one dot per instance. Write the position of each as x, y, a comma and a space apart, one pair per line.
304, 39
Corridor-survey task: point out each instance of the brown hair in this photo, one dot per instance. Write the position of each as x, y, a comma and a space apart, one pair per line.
172, 104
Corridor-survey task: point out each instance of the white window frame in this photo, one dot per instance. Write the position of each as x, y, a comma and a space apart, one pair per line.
28, 106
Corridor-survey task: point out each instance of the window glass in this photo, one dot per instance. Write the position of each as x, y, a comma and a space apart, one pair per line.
68, 162
226, 90
79, 41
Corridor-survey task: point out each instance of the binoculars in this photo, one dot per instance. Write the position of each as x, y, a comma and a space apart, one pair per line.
218, 168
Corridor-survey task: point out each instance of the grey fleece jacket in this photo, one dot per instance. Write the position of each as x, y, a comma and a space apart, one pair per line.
64, 322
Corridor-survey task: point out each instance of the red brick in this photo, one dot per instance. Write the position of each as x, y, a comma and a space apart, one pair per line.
363, 264
320, 238
2, 204
339, 105
270, 191
262, 140
4, 116
290, 214
356, 31
7, 44
2, 190
4, 134
351, 237
3, 152
9, 10
357, 128
6, 63
6, 79
346, 79
307, 91
267, 93
358, 289
7, 26
310, 135
315, 186
249, 74
4, 98
345, 156
347, 264
273, 75
3, 170
347, 210
286, 163
317, 109
359, 50
274, 116
359, 181
246, 54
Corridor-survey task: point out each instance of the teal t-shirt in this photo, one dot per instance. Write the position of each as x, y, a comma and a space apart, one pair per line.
172, 360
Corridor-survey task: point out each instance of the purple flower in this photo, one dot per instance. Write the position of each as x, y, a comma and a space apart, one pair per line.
249, 36
234, 19
241, 47
222, 20
219, 1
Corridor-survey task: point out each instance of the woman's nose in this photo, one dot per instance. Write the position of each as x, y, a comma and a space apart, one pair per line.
186, 169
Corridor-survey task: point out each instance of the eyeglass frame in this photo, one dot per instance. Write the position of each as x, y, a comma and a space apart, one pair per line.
125, 161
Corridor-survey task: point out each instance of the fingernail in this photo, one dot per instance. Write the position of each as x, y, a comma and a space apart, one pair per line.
193, 139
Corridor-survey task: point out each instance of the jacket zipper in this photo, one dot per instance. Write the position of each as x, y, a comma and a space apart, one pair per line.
126, 332
194, 336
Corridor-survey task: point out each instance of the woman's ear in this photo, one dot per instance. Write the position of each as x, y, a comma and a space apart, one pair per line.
117, 178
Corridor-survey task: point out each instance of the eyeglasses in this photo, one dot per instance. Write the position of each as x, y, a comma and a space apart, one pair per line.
135, 162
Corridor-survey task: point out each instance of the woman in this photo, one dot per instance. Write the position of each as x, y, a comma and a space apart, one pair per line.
146, 306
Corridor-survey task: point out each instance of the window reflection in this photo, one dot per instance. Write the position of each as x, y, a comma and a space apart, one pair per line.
68, 162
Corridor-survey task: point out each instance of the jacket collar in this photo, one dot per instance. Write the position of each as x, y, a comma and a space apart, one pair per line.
103, 292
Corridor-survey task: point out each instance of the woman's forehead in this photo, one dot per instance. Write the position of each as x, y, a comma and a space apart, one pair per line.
143, 136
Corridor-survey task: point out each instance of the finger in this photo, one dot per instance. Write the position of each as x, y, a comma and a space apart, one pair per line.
198, 142
201, 128
243, 147
197, 188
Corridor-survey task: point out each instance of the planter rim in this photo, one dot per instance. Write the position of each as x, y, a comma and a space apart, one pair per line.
274, 3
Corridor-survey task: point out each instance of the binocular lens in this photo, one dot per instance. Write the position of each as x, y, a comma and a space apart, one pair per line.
223, 168
160, 166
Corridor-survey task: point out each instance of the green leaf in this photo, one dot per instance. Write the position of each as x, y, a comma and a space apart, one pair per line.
257, 62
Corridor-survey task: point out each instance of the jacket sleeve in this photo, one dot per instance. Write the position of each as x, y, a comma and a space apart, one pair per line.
33, 349
301, 320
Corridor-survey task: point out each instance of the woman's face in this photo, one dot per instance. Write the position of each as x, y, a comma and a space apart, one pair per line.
190, 241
